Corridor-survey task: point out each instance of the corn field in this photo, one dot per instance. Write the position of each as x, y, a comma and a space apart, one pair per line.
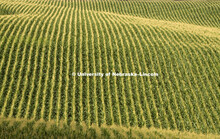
43, 42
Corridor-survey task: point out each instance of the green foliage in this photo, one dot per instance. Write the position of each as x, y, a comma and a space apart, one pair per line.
43, 42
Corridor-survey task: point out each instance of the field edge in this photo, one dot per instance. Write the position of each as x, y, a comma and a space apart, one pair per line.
22, 128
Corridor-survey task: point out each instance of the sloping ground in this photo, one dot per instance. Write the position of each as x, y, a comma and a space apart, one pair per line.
45, 41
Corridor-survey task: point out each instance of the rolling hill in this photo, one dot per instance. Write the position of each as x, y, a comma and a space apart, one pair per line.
160, 62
